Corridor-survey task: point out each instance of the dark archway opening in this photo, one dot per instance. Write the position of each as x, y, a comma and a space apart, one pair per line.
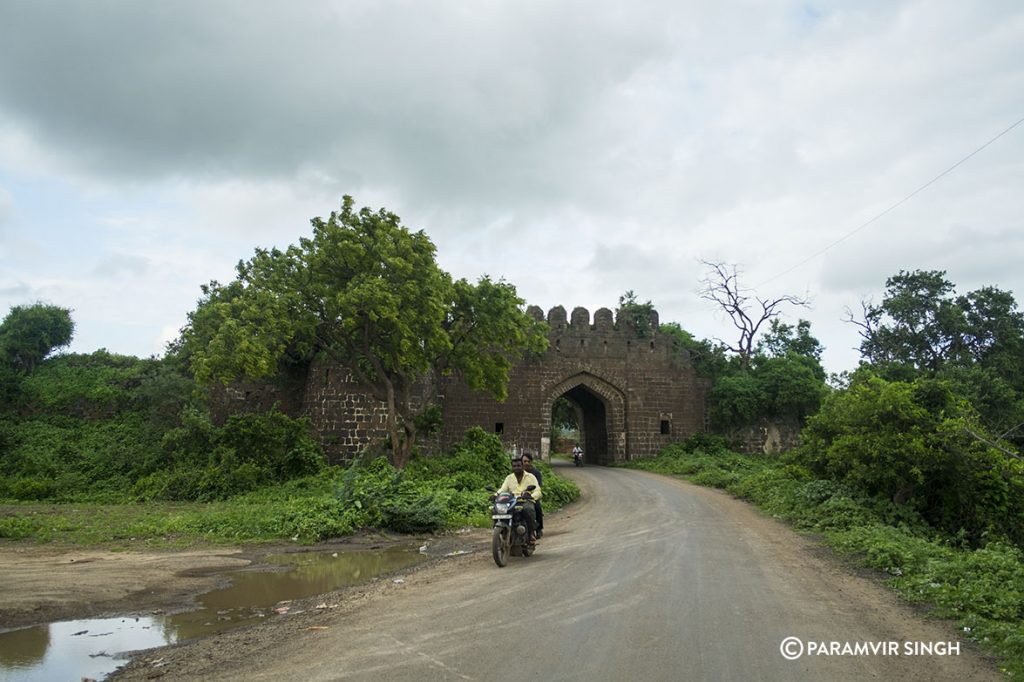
590, 418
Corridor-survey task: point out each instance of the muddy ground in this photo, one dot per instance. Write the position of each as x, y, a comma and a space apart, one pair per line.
47, 583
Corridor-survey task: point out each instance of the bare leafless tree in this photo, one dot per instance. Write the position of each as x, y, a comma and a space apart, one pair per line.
747, 311
867, 323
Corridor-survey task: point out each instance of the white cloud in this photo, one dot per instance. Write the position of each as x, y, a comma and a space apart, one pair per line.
576, 149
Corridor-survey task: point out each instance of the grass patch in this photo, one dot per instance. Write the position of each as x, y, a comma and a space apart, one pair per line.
981, 589
430, 495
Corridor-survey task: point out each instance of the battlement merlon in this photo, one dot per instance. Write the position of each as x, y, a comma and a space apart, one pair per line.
580, 324
580, 336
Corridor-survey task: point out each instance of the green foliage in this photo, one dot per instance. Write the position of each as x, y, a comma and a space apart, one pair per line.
975, 341
29, 333
922, 324
708, 359
205, 462
736, 400
916, 443
438, 492
429, 421
368, 294
486, 329
93, 385
792, 385
75, 458
783, 379
632, 314
700, 456
782, 340
478, 463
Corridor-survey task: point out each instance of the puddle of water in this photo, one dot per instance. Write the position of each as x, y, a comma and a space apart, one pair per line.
71, 650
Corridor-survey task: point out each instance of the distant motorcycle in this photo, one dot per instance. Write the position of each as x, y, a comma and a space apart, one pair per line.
577, 457
510, 534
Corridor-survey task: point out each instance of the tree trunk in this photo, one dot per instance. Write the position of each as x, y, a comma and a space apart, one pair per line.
392, 422
405, 448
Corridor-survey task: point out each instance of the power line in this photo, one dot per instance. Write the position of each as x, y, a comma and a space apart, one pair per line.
894, 206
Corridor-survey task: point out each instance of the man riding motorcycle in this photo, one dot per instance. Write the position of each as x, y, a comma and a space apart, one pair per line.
516, 483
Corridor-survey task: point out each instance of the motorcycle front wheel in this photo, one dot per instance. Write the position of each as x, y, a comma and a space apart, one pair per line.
499, 545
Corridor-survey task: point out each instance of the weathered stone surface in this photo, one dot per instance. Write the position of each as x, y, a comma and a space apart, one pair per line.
634, 394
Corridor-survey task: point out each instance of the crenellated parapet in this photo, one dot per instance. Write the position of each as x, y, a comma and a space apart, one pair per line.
601, 335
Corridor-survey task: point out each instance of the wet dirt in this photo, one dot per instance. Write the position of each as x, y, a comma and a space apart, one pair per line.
46, 583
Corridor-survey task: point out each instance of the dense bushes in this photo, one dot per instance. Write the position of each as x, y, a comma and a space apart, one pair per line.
445, 490
205, 462
105, 427
916, 443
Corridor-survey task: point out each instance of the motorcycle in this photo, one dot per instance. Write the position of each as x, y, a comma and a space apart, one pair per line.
510, 534
577, 458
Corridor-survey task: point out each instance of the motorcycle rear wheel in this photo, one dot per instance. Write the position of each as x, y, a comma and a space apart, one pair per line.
499, 545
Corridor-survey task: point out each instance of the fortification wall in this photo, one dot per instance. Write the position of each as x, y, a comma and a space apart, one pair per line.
649, 393
766, 437
635, 392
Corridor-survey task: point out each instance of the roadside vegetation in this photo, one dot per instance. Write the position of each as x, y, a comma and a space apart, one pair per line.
115, 449
911, 464
981, 588
102, 448
432, 494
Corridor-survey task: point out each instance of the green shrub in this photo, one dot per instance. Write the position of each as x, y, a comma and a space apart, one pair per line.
32, 489
736, 399
915, 444
422, 514
479, 462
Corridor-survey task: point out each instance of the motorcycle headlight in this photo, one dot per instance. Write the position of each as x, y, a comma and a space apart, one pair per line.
502, 507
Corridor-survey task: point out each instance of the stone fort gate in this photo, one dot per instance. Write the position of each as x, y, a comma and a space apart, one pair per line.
632, 395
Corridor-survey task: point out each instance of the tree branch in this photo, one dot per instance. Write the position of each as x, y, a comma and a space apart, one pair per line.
986, 441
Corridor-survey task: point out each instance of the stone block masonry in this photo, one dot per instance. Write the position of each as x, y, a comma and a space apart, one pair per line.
635, 394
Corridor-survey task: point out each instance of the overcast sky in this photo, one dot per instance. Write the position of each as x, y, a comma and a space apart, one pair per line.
576, 149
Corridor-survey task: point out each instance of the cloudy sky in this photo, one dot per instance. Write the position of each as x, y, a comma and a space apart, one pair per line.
577, 149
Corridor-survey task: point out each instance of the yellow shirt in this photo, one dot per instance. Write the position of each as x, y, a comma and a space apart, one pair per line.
518, 487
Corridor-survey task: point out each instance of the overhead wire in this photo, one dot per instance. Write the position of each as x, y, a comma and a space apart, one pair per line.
893, 206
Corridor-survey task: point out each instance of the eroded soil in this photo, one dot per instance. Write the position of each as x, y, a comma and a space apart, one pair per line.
47, 583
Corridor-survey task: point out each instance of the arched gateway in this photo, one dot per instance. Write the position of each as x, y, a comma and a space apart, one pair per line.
602, 411
633, 393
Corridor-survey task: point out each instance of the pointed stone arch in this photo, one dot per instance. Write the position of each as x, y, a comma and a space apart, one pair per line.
607, 414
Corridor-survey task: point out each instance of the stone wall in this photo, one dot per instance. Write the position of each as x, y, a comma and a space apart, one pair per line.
767, 436
285, 391
635, 395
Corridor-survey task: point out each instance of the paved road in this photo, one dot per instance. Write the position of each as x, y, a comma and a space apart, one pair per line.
647, 579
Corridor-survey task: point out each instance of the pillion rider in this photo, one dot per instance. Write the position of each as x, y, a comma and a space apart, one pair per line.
517, 483
529, 468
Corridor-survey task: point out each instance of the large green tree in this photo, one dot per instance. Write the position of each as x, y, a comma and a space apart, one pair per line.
918, 443
784, 378
922, 324
31, 332
975, 341
368, 294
